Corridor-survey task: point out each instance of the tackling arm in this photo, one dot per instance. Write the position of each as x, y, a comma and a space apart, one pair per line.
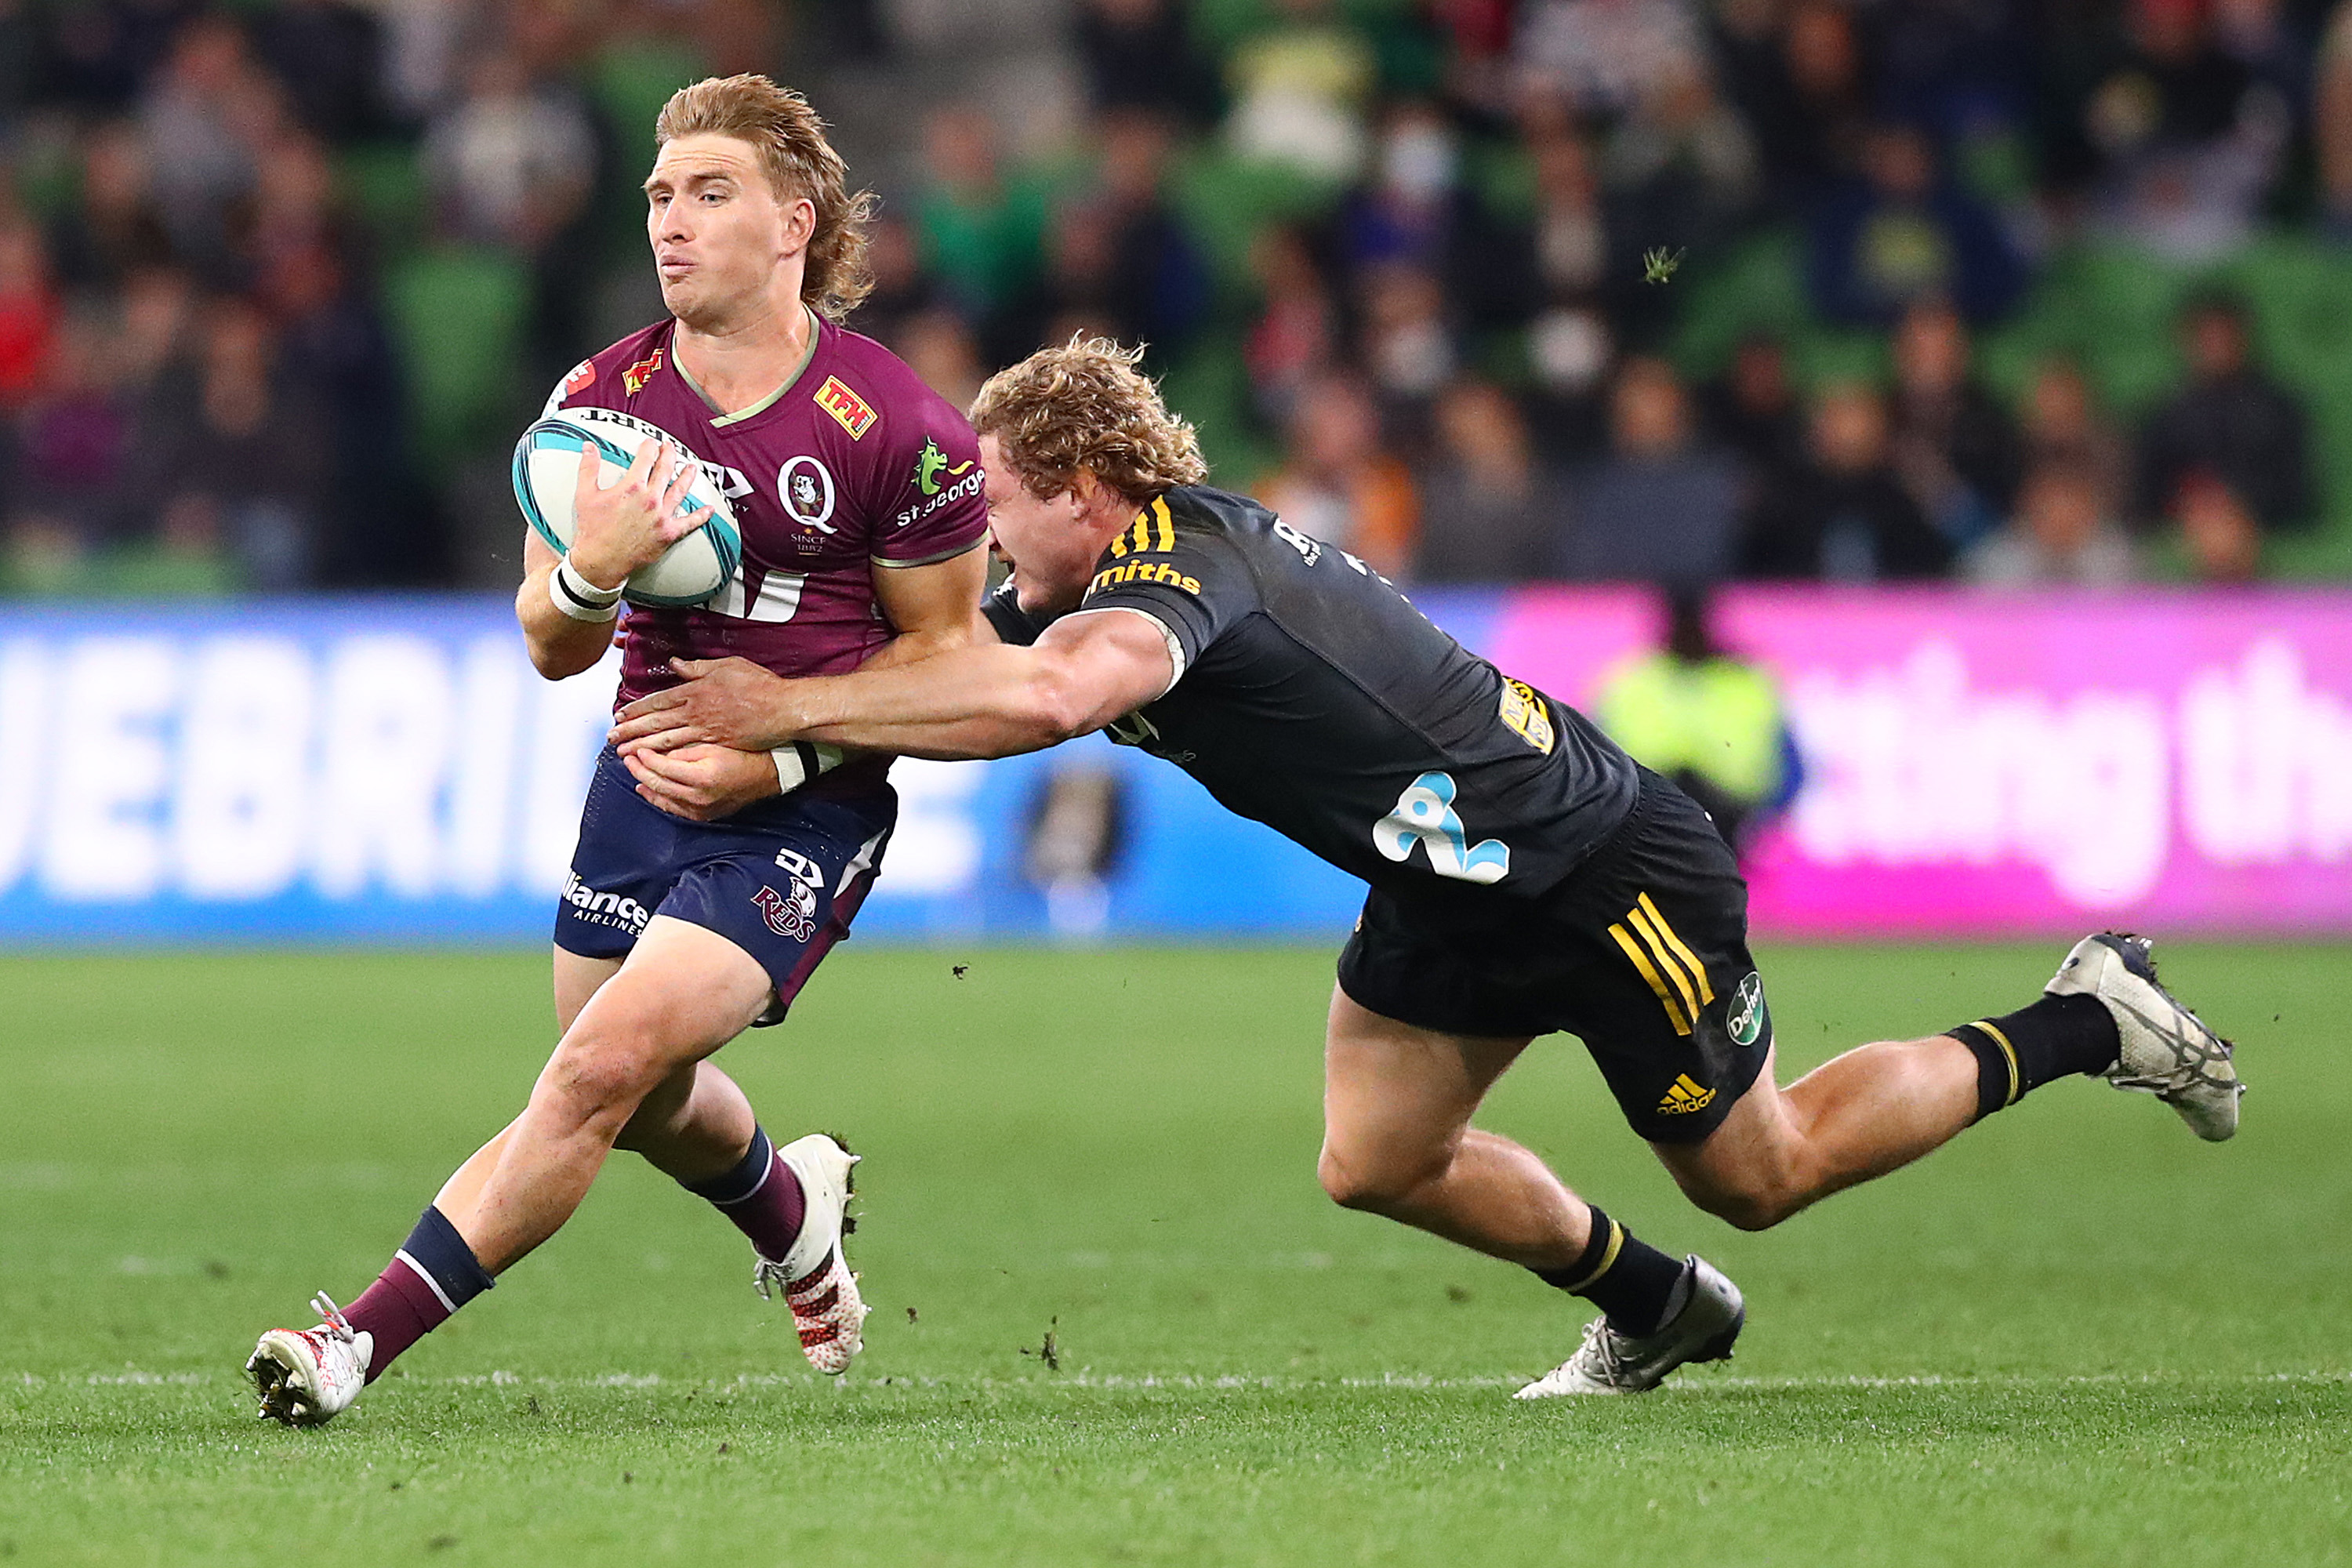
935, 609
987, 699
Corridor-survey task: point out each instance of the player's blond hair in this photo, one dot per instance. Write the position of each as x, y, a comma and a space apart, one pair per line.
1084, 406
800, 162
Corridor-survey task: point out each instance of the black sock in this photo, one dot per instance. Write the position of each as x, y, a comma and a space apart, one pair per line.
1629, 1280
2056, 1036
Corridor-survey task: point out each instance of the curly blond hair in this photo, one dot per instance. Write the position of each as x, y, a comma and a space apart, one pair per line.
800, 162
1084, 406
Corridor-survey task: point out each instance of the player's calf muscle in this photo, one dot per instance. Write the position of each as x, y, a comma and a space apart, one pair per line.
660, 1111
1869, 1111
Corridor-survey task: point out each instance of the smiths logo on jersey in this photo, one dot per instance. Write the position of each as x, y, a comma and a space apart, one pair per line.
1158, 571
851, 412
1153, 532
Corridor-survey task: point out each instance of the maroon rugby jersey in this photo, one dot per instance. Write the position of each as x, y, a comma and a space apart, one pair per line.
856, 462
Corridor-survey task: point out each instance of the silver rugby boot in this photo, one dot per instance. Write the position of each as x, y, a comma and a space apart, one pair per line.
2167, 1051
1611, 1363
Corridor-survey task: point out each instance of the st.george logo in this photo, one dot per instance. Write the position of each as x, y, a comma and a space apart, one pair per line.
1132, 729
930, 463
1425, 815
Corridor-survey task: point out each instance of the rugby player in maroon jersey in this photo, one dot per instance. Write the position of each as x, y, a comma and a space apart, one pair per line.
700, 898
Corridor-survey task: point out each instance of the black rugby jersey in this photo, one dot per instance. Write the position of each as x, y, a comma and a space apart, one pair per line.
1312, 697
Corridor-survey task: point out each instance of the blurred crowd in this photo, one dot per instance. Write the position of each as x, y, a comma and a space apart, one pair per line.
1680, 291
228, 237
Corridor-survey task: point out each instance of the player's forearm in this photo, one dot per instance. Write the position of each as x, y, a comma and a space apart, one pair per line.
910, 647
559, 645
989, 701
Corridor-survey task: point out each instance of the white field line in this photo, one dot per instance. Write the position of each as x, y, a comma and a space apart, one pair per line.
1703, 1384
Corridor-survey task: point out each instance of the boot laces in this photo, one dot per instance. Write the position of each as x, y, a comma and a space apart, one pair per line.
1602, 1352
331, 1321
2195, 1050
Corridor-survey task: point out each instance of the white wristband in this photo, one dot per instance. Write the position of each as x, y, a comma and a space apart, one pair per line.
803, 761
578, 597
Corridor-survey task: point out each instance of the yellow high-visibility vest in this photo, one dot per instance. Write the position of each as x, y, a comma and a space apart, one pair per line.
1720, 720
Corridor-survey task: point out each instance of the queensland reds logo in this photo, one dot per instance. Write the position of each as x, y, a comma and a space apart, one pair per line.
807, 489
789, 917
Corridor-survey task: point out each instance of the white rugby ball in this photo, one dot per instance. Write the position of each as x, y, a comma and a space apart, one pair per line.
547, 474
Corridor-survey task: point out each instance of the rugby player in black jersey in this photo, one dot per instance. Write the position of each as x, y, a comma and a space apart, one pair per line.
1525, 875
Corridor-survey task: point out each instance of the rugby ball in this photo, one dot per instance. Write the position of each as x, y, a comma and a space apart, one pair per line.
546, 476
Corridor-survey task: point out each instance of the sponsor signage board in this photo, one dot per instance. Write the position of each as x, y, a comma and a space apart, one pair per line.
1989, 765
390, 769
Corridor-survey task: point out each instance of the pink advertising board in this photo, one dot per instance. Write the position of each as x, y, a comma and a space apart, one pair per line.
1975, 764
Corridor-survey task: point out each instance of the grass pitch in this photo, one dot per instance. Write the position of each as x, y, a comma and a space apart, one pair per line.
2077, 1335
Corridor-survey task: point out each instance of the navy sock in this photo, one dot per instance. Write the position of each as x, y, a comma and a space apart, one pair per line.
2055, 1037
436, 1250
1631, 1281
741, 1179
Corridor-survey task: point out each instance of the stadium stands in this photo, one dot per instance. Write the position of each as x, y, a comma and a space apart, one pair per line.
1522, 194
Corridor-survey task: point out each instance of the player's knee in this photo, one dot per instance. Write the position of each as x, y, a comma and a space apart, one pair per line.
1748, 1205
1746, 1211
605, 1076
1379, 1185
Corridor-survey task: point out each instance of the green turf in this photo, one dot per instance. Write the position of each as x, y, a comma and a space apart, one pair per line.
2076, 1336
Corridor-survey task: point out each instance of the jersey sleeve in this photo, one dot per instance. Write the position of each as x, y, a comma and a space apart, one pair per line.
578, 379
1192, 581
930, 483
1014, 626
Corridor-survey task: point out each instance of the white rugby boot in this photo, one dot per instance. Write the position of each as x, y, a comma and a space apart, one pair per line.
1611, 1363
813, 1276
308, 1376
2167, 1051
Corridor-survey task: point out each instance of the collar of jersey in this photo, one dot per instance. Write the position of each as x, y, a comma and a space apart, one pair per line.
720, 421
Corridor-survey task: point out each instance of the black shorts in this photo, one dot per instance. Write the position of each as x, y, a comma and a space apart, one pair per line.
782, 878
1642, 953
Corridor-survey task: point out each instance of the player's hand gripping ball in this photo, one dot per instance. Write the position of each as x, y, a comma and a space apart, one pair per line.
693, 569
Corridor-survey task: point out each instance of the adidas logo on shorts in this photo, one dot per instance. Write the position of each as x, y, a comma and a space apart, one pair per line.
1684, 1096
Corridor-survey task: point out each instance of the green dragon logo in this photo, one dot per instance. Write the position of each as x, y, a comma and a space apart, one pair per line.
930, 464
